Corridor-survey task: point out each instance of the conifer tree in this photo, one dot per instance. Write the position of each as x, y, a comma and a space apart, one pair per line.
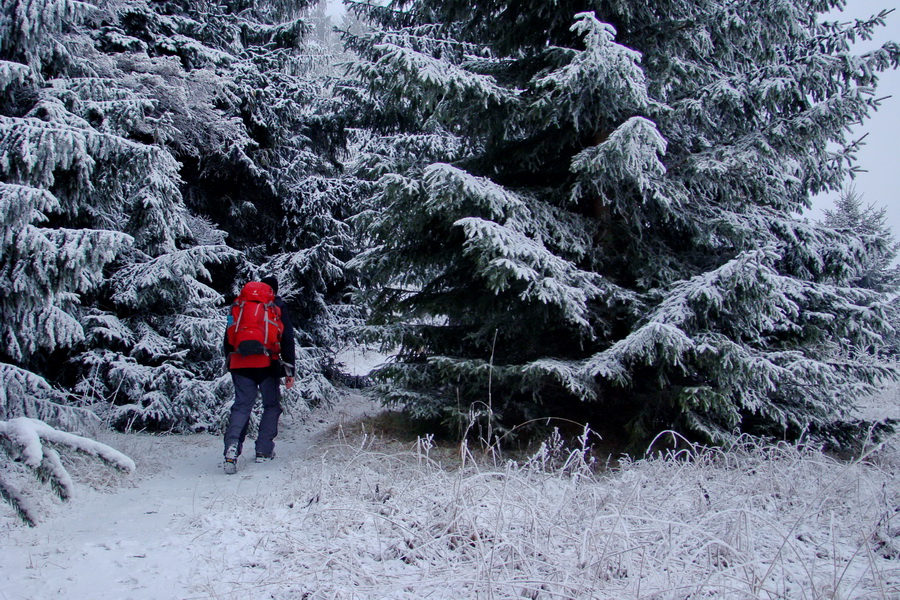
155, 155
592, 207
869, 224
77, 193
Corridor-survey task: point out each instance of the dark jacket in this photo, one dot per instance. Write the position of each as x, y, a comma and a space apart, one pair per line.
288, 352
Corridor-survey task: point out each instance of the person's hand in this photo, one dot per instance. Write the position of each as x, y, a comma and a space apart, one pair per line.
288, 382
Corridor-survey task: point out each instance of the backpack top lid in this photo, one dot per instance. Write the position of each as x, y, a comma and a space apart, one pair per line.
271, 281
256, 291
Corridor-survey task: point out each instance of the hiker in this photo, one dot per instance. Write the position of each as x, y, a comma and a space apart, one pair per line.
259, 351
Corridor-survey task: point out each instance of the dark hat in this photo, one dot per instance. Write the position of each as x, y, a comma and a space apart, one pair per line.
270, 281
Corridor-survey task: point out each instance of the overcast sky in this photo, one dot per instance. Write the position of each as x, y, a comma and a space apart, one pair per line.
880, 184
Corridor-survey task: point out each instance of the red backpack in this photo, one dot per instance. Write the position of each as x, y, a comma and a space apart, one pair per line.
254, 327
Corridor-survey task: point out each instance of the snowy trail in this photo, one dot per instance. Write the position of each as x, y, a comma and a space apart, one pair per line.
137, 543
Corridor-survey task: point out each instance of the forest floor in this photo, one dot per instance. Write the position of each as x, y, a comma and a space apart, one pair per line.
137, 537
346, 511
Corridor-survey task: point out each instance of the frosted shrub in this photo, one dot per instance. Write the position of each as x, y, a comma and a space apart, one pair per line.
757, 521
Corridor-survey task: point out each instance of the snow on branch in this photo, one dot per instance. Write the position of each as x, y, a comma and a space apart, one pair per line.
21, 205
699, 303
34, 150
33, 444
49, 326
568, 373
416, 73
506, 255
107, 329
654, 343
29, 22
318, 260
197, 53
13, 72
25, 394
172, 276
152, 344
606, 72
449, 188
428, 38
631, 155
566, 232
37, 314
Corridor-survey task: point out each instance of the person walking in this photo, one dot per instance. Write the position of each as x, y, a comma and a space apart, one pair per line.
259, 351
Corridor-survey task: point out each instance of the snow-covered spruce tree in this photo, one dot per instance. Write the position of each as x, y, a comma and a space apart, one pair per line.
590, 209
869, 224
89, 201
878, 269
285, 197
260, 142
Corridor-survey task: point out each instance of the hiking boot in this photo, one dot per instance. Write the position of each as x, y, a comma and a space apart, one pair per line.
261, 458
231, 456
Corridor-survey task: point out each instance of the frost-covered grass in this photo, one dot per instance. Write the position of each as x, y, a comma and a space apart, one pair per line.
366, 520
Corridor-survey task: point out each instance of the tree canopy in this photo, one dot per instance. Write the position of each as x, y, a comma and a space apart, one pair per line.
588, 209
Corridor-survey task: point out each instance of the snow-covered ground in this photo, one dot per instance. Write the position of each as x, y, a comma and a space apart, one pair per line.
346, 513
138, 538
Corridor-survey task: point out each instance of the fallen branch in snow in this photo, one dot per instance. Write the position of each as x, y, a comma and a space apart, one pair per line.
33, 444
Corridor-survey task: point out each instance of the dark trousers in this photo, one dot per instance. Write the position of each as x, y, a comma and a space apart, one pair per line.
246, 387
